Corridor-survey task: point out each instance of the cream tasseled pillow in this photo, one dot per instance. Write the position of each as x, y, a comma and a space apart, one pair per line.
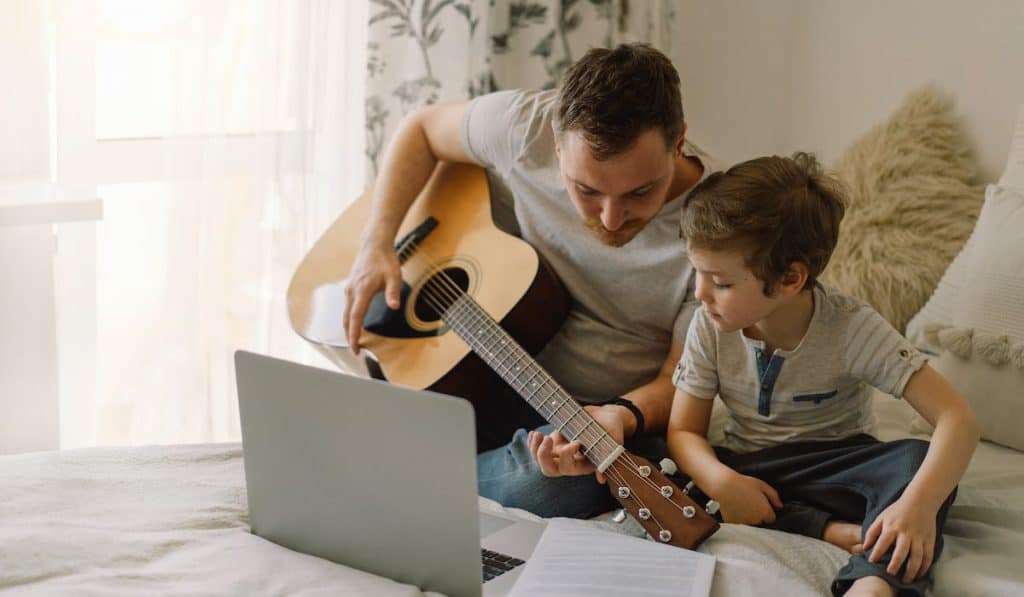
912, 205
983, 342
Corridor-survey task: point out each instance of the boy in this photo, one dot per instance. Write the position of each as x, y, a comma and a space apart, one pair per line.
792, 361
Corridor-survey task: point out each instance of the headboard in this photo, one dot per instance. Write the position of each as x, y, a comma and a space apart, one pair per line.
776, 77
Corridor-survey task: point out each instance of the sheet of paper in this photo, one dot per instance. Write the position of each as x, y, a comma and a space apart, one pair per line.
1013, 175
575, 559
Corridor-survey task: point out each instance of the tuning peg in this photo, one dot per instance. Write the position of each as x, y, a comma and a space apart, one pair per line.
668, 467
619, 516
712, 507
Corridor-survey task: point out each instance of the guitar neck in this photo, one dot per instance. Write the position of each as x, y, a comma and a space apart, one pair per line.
506, 357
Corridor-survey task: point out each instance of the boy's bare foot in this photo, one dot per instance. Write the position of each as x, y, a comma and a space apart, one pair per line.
845, 535
871, 586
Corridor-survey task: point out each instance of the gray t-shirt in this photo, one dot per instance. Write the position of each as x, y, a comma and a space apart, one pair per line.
629, 302
815, 392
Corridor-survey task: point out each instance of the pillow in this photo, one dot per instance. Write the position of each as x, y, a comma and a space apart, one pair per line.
912, 206
939, 307
983, 344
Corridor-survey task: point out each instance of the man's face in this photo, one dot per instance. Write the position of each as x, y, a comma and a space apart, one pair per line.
617, 197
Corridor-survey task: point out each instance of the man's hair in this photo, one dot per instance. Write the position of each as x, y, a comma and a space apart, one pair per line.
612, 96
776, 210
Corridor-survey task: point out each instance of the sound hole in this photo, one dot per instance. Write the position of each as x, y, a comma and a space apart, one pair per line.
439, 291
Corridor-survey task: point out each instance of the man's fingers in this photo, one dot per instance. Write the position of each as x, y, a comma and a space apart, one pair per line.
567, 462
392, 290
345, 317
545, 458
355, 325
533, 441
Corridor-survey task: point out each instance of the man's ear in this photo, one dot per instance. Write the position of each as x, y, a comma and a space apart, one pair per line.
681, 140
795, 278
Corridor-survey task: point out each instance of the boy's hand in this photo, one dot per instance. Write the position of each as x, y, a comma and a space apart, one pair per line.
746, 500
911, 529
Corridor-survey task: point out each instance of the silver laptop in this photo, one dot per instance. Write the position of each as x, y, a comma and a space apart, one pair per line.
373, 476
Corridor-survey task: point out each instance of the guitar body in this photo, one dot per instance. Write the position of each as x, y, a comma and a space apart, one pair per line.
412, 346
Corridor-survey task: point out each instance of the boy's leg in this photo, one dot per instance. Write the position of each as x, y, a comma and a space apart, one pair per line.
850, 479
796, 516
895, 468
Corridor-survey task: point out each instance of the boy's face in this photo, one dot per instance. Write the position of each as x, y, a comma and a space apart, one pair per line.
733, 297
617, 197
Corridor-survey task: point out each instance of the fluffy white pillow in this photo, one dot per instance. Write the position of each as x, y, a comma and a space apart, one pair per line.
983, 343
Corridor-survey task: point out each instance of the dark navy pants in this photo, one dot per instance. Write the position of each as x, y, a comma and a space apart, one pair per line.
851, 480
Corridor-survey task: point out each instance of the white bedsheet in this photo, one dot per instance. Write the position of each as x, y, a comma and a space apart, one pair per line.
169, 520
173, 520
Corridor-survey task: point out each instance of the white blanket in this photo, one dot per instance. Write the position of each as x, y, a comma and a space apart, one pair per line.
173, 520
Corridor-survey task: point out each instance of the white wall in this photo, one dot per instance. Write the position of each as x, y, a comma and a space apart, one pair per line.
775, 77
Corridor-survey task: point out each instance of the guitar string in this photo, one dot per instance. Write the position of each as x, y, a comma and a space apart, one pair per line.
454, 293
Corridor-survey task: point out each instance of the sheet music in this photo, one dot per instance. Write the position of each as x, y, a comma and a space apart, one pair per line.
1013, 175
575, 559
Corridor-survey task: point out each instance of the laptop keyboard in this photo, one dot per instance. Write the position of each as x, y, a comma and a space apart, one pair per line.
496, 564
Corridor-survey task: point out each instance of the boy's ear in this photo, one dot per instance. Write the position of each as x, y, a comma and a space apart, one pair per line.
795, 278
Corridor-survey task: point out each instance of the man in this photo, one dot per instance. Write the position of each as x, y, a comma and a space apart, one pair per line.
598, 170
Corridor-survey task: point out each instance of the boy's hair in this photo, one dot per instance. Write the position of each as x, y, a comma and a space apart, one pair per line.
777, 210
611, 96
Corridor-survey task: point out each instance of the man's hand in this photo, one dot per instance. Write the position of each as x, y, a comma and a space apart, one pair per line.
911, 529
746, 500
375, 267
558, 457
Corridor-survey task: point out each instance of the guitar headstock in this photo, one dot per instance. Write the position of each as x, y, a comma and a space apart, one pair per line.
662, 508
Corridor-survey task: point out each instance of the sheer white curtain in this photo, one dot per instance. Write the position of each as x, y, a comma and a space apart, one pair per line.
222, 137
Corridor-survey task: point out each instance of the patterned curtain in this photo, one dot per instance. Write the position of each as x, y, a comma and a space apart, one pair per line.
426, 51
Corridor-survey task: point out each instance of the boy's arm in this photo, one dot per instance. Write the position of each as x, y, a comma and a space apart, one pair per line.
743, 499
908, 525
953, 441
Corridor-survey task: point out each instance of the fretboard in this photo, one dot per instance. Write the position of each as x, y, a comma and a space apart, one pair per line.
503, 354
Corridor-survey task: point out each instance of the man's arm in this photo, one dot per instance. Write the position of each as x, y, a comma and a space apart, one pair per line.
430, 134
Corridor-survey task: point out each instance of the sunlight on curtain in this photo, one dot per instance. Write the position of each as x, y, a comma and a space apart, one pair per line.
222, 138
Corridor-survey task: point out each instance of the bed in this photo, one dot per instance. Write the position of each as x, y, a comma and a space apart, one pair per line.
173, 520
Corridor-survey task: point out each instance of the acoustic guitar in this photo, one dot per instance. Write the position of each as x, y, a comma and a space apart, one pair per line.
476, 304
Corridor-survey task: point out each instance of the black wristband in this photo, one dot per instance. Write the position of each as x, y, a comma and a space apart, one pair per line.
620, 401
